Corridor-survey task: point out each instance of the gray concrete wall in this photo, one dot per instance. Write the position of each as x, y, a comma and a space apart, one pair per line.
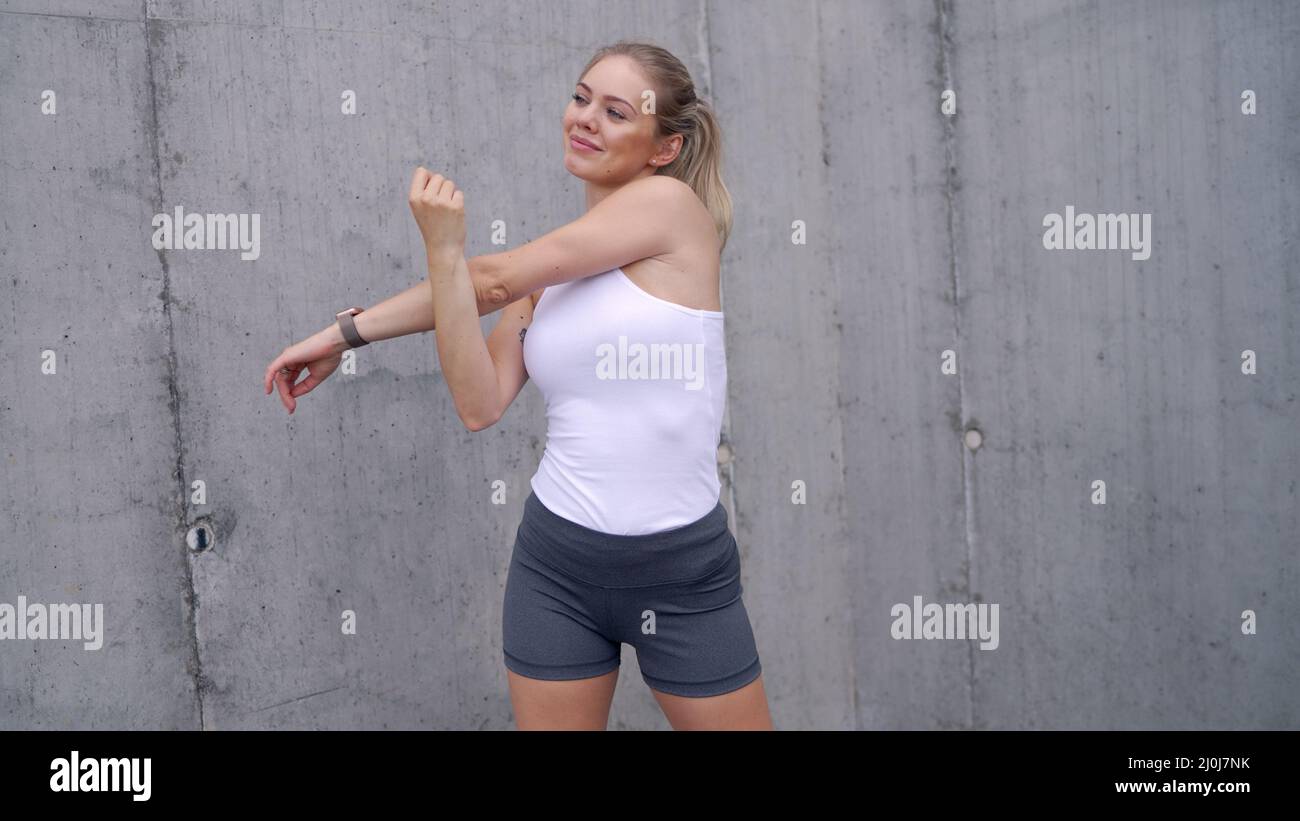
924, 235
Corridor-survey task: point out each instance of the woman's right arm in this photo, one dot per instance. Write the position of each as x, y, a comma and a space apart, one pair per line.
483, 375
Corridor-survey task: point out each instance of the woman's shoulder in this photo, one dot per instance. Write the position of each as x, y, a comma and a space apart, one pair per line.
665, 186
690, 222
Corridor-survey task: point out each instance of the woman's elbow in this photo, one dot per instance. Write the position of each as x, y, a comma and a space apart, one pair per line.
477, 422
490, 289
474, 425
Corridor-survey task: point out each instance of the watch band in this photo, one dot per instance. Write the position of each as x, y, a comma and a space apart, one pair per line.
348, 326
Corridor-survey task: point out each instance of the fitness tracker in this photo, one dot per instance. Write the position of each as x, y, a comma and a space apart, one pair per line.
348, 326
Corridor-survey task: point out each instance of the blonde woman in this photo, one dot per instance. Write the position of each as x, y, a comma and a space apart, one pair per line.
617, 318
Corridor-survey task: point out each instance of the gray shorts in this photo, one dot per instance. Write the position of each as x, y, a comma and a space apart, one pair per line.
574, 595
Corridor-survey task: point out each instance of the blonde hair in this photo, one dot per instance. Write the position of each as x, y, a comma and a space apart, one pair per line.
679, 111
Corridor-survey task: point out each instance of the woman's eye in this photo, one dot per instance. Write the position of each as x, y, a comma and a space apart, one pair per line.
578, 98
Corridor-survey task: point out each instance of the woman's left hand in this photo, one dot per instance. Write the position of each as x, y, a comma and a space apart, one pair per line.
439, 209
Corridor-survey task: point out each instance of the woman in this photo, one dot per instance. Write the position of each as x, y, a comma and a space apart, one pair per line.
617, 318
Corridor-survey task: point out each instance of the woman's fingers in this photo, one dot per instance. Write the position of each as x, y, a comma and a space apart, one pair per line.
306, 385
418, 181
284, 381
268, 379
431, 193
425, 182
276, 376
436, 181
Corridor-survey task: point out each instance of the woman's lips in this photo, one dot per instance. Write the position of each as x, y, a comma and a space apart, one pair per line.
581, 146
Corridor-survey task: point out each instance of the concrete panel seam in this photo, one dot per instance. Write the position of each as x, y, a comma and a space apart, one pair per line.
173, 391
841, 514
944, 28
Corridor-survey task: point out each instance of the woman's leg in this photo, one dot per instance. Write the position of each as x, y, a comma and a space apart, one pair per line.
743, 709
581, 704
561, 667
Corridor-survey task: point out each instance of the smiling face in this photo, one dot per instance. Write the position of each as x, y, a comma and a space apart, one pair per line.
605, 111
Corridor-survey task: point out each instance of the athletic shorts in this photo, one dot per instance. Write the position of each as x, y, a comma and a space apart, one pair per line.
574, 595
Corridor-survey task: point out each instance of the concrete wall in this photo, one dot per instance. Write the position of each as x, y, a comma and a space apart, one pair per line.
924, 234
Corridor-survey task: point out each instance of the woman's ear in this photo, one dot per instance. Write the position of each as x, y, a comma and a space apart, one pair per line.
668, 150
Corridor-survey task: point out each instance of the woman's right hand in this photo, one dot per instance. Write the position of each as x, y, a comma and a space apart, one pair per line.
319, 353
439, 209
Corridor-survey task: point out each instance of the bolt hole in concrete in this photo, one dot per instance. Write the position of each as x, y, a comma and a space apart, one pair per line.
200, 537
974, 439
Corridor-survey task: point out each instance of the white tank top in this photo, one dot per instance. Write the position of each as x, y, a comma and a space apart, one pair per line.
635, 388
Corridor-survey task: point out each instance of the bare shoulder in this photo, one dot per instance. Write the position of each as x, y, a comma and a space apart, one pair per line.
663, 196
661, 188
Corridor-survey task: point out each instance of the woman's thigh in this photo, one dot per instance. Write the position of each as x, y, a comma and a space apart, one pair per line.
578, 704
743, 709
561, 664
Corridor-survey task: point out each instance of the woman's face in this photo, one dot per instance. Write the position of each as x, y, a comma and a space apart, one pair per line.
606, 112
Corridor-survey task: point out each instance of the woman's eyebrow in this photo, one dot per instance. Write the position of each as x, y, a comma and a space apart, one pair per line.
607, 96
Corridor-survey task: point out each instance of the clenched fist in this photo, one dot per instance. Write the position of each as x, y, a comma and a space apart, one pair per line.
439, 209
